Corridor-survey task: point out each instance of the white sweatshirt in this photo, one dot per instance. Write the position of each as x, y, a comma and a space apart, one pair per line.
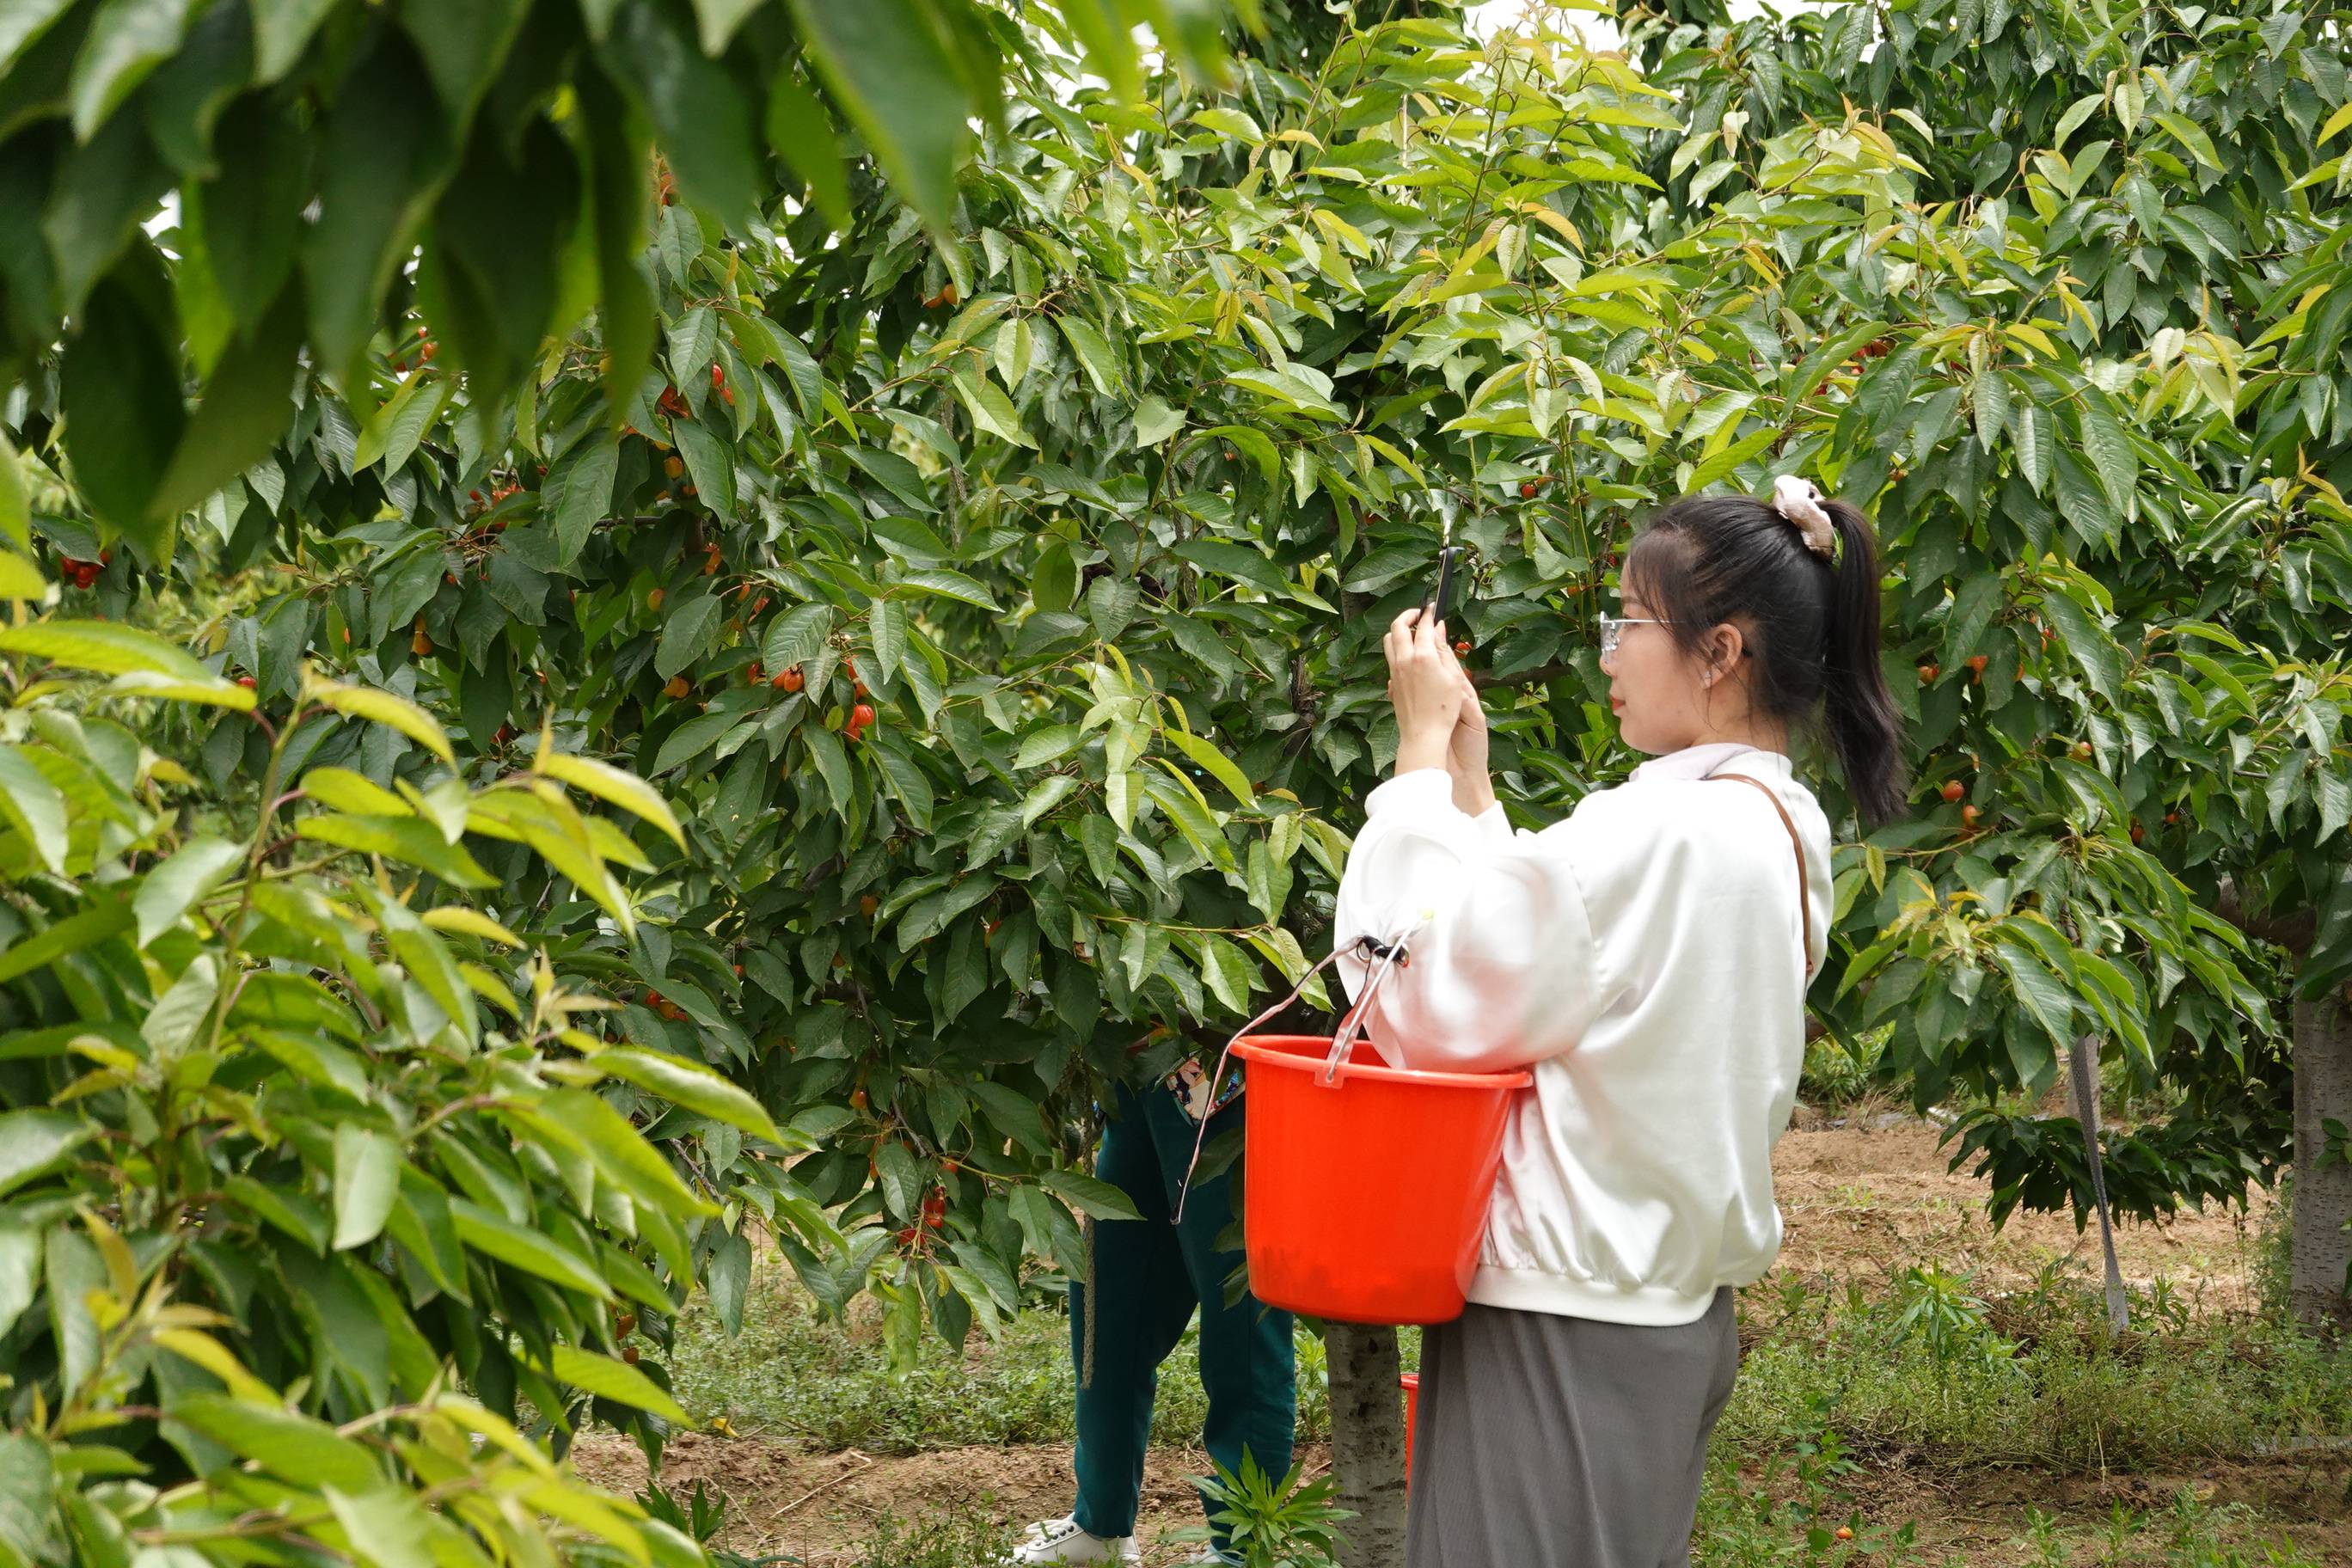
1644, 957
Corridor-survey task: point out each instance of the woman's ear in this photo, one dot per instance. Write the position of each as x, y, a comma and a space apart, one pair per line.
1721, 652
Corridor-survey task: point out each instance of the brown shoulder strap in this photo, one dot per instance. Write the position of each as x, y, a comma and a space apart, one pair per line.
1804, 883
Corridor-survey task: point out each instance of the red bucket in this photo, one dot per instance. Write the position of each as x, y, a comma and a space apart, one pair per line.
1365, 1197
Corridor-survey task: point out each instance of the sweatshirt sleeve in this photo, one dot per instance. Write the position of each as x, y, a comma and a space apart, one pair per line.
1504, 969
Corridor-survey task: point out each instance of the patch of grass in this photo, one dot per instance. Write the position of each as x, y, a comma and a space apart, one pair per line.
1837, 1076
2028, 1378
2032, 1380
956, 1540
790, 1374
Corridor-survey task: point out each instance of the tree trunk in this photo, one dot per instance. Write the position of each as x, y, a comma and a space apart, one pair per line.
1368, 1442
2322, 1191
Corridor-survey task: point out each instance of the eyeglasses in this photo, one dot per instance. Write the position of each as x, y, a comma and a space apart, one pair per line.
1613, 627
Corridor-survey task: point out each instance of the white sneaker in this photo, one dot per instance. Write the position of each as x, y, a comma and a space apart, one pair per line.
1061, 1541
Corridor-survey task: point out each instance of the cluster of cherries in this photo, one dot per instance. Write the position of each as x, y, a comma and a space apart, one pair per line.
83, 573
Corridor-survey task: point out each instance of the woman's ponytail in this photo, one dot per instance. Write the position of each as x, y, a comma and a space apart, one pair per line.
1857, 710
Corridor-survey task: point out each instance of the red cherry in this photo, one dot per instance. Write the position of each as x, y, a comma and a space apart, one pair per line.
247, 681
1527, 490
1954, 789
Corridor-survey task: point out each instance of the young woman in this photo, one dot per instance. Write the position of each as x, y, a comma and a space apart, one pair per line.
1648, 958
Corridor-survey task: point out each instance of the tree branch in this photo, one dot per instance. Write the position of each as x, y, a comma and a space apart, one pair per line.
2292, 931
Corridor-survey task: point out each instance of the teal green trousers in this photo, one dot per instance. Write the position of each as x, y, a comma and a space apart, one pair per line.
1148, 1277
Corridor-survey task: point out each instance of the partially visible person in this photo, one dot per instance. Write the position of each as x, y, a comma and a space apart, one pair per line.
1144, 1282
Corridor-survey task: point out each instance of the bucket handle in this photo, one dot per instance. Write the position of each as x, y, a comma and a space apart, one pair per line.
1383, 957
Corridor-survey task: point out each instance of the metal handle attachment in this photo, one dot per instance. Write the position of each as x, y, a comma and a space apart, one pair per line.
1383, 956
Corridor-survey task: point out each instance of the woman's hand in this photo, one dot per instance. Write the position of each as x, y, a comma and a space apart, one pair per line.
1426, 687
1465, 756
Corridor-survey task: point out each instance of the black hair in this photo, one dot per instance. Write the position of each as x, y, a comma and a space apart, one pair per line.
1811, 623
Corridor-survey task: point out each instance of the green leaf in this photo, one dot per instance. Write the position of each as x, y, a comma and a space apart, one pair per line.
407, 839
684, 634
708, 464
292, 1213
1231, 123
2041, 993
621, 1155
1089, 1195
495, 1236
33, 807
729, 1280
382, 149
393, 432
74, 1269
1102, 367
16, 507
2191, 136
1253, 444
614, 1380
695, 1087
1013, 1114
2031, 437
901, 1178
380, 707
103, 645
32, 1140
387, 1527
74, 933
890, 69
247, 405
698, 109
620, 179
281, 31
1220, 767
121, 386
802, 133
367, 1178
991, 409
1974, 604
617, 786
2110, 450
720, 19
580, 493
1155, 421
127, 39
832, 764
795, 636
1054, 584
691, 739
20, 1271
24, 22
292, 1448
949, 585
211, 691
168, 891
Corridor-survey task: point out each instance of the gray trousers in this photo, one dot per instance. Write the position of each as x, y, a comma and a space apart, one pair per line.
1551, 1442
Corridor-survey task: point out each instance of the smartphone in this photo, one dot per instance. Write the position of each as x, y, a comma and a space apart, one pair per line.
1441, 600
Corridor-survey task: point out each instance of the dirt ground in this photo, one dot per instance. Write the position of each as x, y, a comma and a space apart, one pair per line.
1859, 1202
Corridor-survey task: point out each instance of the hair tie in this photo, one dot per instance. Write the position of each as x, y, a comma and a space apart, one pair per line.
1798, 501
